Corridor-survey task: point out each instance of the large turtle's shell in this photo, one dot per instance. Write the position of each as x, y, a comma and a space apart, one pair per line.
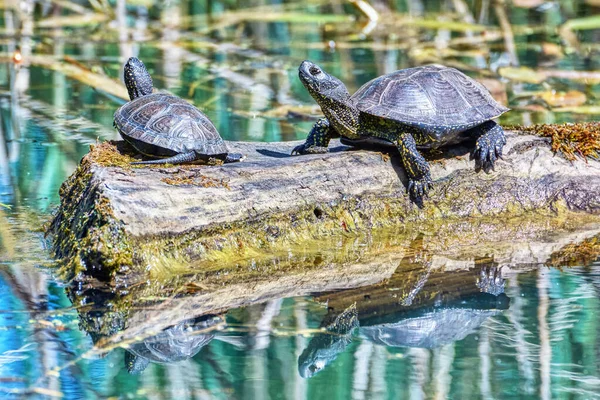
164, 125
430, 330
431, 97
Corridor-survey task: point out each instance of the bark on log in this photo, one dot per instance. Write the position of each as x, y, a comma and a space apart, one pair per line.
205, 217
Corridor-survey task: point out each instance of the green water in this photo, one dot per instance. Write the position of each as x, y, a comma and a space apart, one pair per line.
534, 333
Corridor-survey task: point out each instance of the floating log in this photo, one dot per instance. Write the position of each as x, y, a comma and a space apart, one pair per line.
118, 221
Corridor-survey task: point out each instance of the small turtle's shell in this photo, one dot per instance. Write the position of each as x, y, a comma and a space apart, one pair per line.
164, 125
176, 343
433, 98
171, 345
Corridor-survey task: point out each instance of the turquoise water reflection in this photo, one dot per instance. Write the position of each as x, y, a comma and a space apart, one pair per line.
538, 339
445, 339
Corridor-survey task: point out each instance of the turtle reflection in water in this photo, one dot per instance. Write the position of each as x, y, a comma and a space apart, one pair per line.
416, 108
164, 126
324, 347
397, 325
177, 343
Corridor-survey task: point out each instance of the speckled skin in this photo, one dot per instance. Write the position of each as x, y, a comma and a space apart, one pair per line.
324, 347
417, 108
162, 125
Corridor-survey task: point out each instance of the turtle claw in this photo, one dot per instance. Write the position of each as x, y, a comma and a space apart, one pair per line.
485, 155
490, 280
419, 188
488, 148
234, 157
304, 149
499, 152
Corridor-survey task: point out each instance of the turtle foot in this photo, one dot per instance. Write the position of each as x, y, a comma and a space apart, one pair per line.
491, 281
418, 189
488, 147
304, 149
234, 157
486, 153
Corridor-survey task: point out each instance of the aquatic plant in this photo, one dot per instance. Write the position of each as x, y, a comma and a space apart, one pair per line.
571, 140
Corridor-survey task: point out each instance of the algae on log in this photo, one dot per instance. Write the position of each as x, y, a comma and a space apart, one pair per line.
165, 219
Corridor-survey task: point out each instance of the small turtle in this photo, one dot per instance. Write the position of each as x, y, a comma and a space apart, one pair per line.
162, 125
176, 343
417, 108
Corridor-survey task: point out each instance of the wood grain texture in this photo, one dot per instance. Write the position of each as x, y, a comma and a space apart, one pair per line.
270, 181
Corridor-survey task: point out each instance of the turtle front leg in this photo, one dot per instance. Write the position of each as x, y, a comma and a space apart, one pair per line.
417, 169
317, 140
489, 145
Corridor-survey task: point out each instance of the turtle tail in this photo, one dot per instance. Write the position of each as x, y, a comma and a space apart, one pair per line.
177, 159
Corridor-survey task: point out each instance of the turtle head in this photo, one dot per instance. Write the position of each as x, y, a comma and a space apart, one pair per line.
333, 97
137, 79
320, 84
320, 352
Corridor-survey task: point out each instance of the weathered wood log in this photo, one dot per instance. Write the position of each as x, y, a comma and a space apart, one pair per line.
201, 218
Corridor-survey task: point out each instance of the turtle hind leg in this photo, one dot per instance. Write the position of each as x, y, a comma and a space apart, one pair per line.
177, 159
417, 169
488, 147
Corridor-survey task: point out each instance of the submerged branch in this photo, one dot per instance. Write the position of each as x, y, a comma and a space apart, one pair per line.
505, 25
525, 74
73, 21
75, 71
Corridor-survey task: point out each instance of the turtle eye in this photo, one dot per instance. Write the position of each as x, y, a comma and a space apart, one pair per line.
314, 70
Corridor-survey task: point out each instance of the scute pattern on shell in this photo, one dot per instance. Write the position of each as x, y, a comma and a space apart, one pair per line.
169, 122
430, 95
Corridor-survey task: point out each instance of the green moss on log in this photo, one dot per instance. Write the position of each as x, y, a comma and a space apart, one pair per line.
112, 154
337, 235
187, 177
86, 236
583, 253
479, 241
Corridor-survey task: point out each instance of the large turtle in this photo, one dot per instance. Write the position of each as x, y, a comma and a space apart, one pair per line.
416, 108
433, 321
325, 346
164, 126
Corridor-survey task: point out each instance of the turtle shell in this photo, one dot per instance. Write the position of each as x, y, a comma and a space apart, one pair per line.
176, 343
164, 125
432, 97
430, 330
